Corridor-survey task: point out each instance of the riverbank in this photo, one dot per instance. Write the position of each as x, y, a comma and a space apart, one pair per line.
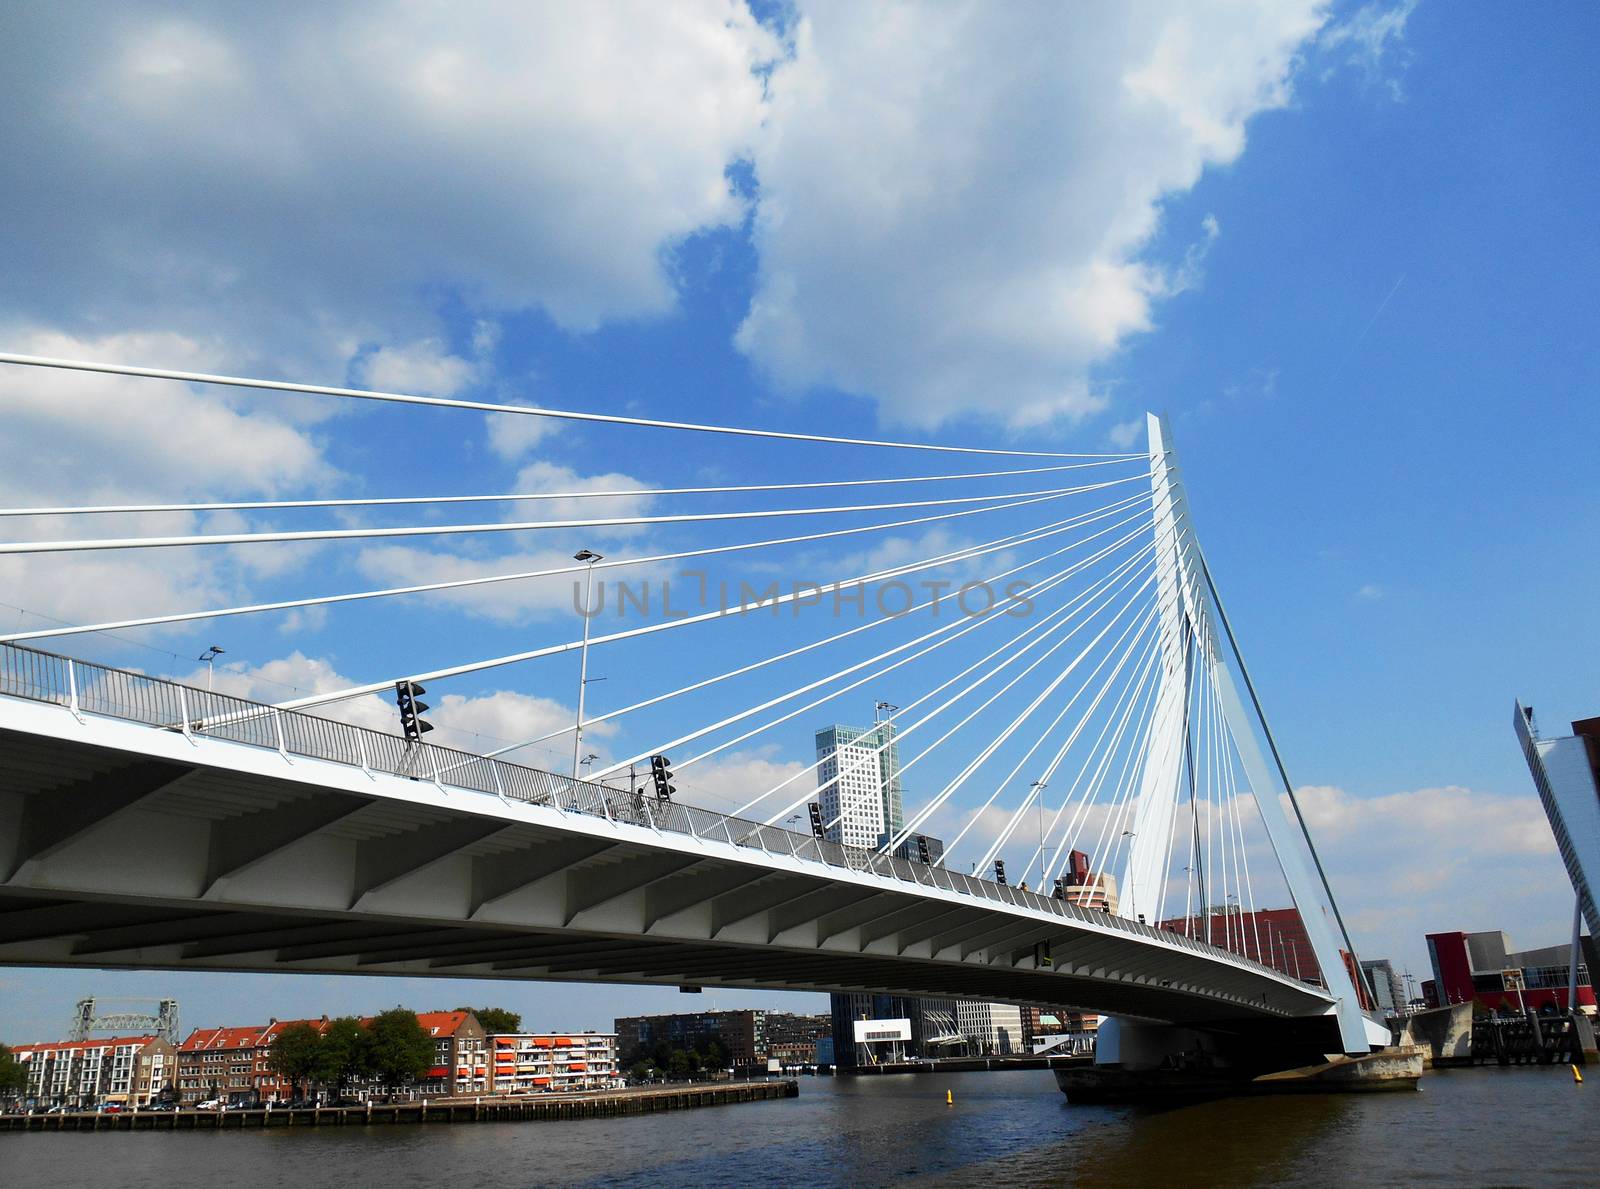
967, 1065
544, 1108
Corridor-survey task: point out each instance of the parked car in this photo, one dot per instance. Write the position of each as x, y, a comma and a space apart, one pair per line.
161, 1106
210, 1104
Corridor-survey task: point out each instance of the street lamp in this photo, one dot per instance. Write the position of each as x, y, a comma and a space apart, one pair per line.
588, 557
1041, 786
209, 656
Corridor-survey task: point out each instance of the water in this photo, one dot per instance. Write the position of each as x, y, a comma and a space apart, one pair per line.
1467, 1127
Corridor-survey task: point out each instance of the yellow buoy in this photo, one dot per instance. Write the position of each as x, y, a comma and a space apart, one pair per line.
950, 1098
1576, 1076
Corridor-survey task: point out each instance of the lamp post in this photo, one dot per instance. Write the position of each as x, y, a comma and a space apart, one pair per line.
1041, 786
209, 656
588, 557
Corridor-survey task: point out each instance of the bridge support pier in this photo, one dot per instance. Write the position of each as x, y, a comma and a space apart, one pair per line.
1137, 1061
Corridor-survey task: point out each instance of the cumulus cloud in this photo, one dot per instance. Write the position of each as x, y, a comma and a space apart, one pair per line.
1435, 859
957, 203
477, 723
309, 173
726, 782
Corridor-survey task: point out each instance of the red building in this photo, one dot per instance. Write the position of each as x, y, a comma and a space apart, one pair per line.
232, 1062
1275, 937
1481, 968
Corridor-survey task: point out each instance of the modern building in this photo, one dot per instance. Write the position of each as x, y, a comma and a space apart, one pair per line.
743, 1034
928, 1021
858, 775
920, 848
132, 1071
1085, 888
1482, 968
1050, 1026
1388, 988
990, 1029
552, 1062
1566, 773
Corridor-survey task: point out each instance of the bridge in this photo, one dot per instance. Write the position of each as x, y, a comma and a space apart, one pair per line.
147, 822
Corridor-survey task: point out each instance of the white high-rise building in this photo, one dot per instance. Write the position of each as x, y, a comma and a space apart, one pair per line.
859, 779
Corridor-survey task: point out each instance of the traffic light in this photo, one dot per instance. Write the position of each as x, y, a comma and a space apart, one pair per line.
661, 777
816, 819
1000, 871
1041, 956
1060, 892
411, 722
922, 851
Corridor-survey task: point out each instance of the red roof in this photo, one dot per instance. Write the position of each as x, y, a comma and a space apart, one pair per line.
95, 1043
206, 1039
441, 1023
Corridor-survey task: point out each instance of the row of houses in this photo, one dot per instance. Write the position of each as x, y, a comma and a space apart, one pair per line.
234, 1064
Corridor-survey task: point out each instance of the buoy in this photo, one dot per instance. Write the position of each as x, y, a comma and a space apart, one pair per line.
950, 1098
1576, 1076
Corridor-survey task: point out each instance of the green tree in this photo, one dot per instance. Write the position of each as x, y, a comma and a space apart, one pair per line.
345, 1053
401, 1050
13, 1075
678, 1065
496, 1019
296, 1054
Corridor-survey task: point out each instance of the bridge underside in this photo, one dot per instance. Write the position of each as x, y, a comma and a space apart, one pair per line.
128, 846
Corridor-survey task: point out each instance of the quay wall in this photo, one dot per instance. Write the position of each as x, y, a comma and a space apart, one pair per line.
543, 1108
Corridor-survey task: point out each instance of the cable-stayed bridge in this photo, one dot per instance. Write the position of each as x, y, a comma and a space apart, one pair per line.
1095, 704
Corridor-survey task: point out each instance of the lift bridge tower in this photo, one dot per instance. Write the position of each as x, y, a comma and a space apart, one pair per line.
114, 1015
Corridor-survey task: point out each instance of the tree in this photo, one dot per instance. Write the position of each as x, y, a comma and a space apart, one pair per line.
345, 1053
678, 1065
296, 1054
402, 1051
13, 1074
496, 1020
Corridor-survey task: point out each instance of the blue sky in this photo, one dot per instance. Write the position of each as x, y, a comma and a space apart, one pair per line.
1350, 250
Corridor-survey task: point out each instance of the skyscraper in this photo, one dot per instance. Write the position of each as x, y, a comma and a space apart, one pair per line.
1566, 774
859, 777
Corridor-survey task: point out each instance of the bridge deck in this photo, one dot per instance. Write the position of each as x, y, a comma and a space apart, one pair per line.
148, 824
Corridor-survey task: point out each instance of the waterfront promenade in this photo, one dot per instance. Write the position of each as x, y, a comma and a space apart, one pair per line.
544, 1107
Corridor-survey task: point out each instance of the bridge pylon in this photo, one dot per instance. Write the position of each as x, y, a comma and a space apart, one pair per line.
1194, 629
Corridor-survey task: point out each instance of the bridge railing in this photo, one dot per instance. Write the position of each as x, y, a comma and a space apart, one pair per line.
87, 688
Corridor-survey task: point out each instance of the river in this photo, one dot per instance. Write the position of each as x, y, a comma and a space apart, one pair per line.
1526, 1126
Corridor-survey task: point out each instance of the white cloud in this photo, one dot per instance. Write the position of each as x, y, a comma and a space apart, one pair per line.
83, 437
424, 367
726, 782
955, 236
478, 723
1124, 435
1370, 42
1370, 591
1435, 859
307, 176
550, 477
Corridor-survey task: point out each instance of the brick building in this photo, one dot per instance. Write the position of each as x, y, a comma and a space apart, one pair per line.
461, 1053
233, 1063
792, 1039
130, 1070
